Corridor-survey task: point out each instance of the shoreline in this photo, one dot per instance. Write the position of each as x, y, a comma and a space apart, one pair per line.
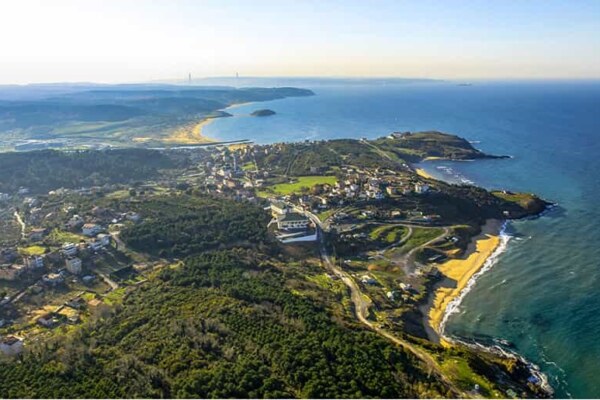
193, 135
190, 135
423, 174
463, 272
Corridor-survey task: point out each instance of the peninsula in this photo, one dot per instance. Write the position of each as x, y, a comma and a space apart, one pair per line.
101, 116
172, 268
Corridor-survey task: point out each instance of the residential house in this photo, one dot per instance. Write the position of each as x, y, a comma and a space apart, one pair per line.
69, 249
91, 229
12, 272
73, 265
35, 262
53, 279
8, 255
104, 238
74, 222
96, 245
48, 320
37, 234
77, 303
421, 188
11, 345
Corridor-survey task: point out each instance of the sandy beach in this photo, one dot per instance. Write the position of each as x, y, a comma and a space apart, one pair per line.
460, 270
434, 158
190, 134
423, 174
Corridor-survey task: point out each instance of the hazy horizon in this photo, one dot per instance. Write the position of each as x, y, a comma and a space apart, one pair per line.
134, 41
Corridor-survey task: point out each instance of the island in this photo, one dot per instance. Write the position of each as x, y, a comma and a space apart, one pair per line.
224, 271
262, 113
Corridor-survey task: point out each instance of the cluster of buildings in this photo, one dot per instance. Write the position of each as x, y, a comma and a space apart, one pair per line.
13, 266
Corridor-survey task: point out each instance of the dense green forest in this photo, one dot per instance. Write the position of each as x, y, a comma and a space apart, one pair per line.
41, 171
182, 225
223, 325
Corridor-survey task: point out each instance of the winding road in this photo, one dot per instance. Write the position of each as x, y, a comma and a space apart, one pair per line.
361, 309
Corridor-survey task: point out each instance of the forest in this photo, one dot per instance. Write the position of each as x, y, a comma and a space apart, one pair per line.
182, 225
225, 324
41, 171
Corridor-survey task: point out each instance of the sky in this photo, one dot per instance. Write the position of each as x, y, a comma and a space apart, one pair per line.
137, 40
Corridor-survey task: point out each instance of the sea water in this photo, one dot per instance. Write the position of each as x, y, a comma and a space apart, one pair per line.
542, 296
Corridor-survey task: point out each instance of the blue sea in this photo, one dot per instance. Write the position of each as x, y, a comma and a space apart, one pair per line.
542, 297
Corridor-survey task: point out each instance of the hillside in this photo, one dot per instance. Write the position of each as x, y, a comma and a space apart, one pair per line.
302, 158
41, 171
116, 115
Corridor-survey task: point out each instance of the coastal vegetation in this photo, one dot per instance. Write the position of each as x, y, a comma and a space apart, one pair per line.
391, 152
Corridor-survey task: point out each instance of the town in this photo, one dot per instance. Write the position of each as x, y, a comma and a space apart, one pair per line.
62, 259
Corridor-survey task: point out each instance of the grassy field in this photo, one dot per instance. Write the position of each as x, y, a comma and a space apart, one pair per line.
387, 233
300, 182
420, 236
32, 250
249, 166
523, 199
59, 237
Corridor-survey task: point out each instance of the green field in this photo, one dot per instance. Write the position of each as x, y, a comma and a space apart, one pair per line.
300, 182
525, 200
249, 166
420, 236
59, 237
388, 233
32, 250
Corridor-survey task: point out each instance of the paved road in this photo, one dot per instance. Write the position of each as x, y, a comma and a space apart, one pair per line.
361, 308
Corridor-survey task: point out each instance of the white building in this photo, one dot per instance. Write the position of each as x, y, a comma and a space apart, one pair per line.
421, 188
35, 262
69, 249
11, 272
91, 229
96, 245
73, 265
279, 208
104, 238
292, 220
11, 345
74, 222
53, 279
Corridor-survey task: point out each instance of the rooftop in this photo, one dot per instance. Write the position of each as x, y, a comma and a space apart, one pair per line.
291, 217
